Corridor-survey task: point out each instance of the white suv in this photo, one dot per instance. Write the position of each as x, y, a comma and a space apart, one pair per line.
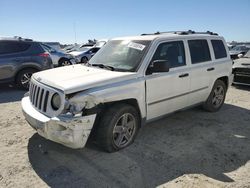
130, 81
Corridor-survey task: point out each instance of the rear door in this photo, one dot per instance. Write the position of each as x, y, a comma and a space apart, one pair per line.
167, 91
11, 56
202, 70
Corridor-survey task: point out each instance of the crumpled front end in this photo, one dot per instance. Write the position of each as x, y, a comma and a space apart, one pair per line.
67, 129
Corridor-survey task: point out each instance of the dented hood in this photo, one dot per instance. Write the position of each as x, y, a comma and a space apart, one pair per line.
75, 78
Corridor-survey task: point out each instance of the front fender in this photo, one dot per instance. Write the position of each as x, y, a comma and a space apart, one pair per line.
91, 98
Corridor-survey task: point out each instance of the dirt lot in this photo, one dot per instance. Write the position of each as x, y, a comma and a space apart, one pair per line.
191, 148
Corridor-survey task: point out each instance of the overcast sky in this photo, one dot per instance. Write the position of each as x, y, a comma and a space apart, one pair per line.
59, 20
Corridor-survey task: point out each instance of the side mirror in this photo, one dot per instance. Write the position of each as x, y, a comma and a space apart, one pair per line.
240, 55
159, 66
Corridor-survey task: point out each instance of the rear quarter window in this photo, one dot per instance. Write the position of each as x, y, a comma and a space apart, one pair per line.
219, 49
199, 51
13, 47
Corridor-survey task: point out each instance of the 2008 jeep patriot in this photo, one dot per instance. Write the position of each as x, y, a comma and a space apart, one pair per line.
130, 81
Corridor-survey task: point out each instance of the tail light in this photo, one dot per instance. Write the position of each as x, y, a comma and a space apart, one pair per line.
43, 55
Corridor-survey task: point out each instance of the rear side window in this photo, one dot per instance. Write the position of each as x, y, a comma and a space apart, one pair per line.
199, 51
13, 47
219, 49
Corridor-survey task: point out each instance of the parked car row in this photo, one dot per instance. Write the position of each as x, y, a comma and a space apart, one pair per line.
241, 70
85, 52
83, 55
238, 50
20, 58
59, 58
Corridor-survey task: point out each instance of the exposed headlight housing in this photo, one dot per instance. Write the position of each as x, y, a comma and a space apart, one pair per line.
56, 101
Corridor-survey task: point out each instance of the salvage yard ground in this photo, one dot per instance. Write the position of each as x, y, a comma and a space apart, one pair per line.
192, 148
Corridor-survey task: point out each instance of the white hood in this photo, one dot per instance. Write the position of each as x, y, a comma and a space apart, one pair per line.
75, 78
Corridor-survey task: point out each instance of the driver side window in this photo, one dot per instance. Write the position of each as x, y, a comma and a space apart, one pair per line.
172, 52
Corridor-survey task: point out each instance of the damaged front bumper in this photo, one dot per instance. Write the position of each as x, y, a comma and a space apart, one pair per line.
71, 131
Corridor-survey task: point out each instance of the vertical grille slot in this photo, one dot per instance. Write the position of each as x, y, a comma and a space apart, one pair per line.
37, 94
45, 101
33, 95
31, 90
41, 99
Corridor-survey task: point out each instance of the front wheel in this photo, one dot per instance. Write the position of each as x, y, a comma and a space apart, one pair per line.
118, 127
64, 62
216, 98
84, 60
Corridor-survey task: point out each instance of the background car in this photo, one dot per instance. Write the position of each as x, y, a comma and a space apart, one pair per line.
100, 43
20, 58
59, 58
241, 70
84, 54
240, 49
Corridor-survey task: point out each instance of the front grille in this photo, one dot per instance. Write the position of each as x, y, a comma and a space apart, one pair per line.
39, 97
242, 75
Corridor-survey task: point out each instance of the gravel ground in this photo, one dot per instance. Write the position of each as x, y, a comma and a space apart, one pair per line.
192, 148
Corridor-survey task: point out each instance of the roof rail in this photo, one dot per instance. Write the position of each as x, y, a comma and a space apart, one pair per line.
180, 33
20, 38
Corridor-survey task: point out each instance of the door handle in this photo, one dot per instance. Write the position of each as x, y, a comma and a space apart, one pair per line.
210, 69
183, 75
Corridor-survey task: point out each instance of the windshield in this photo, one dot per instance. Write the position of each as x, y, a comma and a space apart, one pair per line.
238, 48
122, 55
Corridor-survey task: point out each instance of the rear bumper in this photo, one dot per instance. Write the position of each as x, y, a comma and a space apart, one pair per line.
67, 130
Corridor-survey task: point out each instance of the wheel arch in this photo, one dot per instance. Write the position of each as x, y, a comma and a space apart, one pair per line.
101, 108
225, 79
26, 67
62, 58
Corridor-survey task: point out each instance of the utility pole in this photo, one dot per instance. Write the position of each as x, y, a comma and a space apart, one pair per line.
75, 31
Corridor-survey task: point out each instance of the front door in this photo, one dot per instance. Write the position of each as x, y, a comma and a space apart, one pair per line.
168, 91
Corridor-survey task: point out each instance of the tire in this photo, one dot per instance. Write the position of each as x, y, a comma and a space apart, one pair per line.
64, 62
84, 60
217, 97
23, 78
112, 133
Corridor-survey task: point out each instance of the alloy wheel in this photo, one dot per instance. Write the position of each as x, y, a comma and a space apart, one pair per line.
218, 96
124, 130
25, 79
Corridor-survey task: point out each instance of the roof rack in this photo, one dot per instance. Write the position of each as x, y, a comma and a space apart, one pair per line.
20, 38
180, 33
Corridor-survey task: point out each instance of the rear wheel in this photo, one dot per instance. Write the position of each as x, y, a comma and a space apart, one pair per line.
118, 127
23, 78
216, 98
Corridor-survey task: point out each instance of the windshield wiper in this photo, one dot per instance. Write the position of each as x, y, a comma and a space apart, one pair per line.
104, 66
